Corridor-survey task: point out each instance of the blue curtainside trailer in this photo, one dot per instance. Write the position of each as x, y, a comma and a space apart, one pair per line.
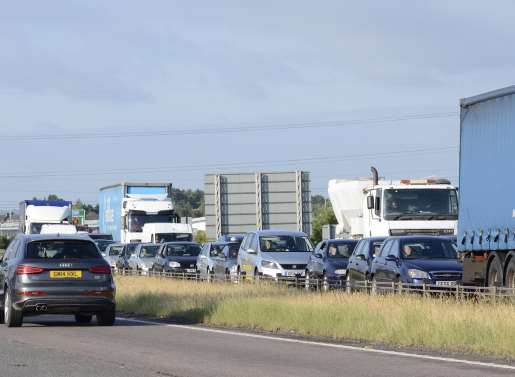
110, 211
486, 221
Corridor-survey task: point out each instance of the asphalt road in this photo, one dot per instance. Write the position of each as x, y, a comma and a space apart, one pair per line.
55, 346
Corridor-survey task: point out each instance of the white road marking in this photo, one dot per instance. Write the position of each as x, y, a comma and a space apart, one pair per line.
320, 344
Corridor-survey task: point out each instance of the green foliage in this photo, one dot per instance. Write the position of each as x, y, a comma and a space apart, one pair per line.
200, 237
4, 242
318, 202
324, 216
90, 209
188, 203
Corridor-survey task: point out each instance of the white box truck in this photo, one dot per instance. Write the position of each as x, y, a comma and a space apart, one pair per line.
141, 212
370, 207
34, 214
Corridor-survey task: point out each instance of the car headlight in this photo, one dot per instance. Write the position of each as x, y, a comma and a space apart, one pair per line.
418, 274
174, 264
269, 264
341, 271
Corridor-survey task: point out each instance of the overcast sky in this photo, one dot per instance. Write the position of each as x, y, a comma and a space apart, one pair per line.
155, 67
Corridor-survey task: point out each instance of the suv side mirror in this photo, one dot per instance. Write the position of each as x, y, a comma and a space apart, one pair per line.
370, 202
361, 257
319, 256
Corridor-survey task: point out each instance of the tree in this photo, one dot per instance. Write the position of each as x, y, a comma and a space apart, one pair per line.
188, 203
200, 237
324, 216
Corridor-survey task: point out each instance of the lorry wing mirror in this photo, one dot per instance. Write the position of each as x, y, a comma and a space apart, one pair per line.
378, 204
370, 202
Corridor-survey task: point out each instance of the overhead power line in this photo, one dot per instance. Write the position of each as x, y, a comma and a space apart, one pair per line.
145, 132
262, 164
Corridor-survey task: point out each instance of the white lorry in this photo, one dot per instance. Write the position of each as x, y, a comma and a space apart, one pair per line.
37, 213
141, 212
371, 207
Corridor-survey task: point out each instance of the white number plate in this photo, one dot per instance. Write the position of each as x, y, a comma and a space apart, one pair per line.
191, 270
447, 283
291, 273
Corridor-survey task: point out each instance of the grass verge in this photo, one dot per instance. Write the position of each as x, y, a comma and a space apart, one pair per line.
404, 320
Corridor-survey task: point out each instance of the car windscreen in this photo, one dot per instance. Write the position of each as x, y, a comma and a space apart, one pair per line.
131, 248
182, 250
148, 251
62, 249
428, 249
341, 249
115, 250
284, 243
234, 248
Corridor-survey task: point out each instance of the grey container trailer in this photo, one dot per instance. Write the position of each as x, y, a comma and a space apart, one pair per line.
236, 203
486, 222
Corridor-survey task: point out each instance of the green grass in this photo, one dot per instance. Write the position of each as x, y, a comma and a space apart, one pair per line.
403, 320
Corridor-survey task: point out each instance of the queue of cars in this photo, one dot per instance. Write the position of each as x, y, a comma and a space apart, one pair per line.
278, 254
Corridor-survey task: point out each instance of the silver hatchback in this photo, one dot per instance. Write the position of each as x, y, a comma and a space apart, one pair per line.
56, 274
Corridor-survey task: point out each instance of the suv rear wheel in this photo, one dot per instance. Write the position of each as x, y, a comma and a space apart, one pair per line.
106, 318
12, 317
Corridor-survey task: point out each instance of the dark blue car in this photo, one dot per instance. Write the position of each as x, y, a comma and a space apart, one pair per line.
328, 262
417, 260
360, 262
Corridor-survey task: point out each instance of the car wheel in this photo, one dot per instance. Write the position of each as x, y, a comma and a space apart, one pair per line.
227, 275
373, 289
307, 281
257, 276
106, 318
12, 317
83, 318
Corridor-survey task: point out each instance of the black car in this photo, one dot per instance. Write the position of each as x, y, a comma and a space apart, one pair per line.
417, 260
54, 274
177, 257
328, 262
360, 262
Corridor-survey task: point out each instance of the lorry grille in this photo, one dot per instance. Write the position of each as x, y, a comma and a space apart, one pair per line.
446, 275
293, 266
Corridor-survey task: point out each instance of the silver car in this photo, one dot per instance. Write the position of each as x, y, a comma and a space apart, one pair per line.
143, 258
274, 254
112, 253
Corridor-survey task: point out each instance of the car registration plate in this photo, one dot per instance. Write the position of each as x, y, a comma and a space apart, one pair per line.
191, 270
65, 274
291, 273
447, 283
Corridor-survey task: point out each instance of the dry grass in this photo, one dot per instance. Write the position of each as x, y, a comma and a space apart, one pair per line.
463, 326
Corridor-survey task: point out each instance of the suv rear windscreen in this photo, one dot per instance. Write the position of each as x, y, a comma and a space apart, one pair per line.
62, 249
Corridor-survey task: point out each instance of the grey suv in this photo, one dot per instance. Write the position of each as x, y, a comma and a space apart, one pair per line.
53, 274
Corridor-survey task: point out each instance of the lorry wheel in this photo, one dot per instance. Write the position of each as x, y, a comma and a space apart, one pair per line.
495, 273
510, 274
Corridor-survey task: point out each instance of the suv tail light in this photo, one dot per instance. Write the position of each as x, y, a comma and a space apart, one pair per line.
100, 270
28, 270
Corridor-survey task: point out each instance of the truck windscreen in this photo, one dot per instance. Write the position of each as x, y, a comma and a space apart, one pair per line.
420, 204
138, 219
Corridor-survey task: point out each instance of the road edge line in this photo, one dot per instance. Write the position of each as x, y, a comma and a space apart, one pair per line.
321, 344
